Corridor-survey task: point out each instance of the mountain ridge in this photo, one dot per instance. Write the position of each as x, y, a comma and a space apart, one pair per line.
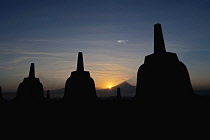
127, 90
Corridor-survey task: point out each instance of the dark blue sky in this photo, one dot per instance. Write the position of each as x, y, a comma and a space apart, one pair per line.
114, 35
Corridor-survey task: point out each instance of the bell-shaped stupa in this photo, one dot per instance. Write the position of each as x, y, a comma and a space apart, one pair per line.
30, 89
80, 86
162, 75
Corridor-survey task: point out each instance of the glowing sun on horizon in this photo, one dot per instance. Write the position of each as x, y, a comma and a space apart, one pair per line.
109, 86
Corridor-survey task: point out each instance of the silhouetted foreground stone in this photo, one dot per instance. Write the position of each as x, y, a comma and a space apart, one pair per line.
30, 89
118, 93
1, 97
0, 92
80, 87
163, 76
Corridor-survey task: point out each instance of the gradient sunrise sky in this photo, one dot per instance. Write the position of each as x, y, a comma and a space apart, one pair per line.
114, 36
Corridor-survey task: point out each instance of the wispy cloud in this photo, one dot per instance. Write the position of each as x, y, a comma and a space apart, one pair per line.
122, 41
26, 52
24, 58
179, 47
41, 40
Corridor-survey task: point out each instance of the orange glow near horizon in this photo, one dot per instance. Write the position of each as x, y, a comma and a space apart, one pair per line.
107, 83
108, 74
109, 86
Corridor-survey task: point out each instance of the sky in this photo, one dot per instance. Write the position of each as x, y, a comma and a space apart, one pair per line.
114, 36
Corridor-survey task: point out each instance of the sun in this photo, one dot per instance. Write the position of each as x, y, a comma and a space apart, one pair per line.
109, 86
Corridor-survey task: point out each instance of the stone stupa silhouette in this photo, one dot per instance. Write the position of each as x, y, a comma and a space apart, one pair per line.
30, 89
118, 94
48, 94
80, 86
0, 92
1, 96
163, 76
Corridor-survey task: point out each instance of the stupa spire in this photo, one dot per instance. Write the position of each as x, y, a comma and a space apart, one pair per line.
159, 45
32, 71
80, 64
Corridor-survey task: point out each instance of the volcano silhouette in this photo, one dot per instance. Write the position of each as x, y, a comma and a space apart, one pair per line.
127, 90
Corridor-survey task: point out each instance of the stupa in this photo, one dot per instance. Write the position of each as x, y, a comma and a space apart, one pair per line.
80, 86
162, 75
31, 89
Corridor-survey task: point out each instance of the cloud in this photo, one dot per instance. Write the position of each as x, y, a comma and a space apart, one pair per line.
4, 50
122, 41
